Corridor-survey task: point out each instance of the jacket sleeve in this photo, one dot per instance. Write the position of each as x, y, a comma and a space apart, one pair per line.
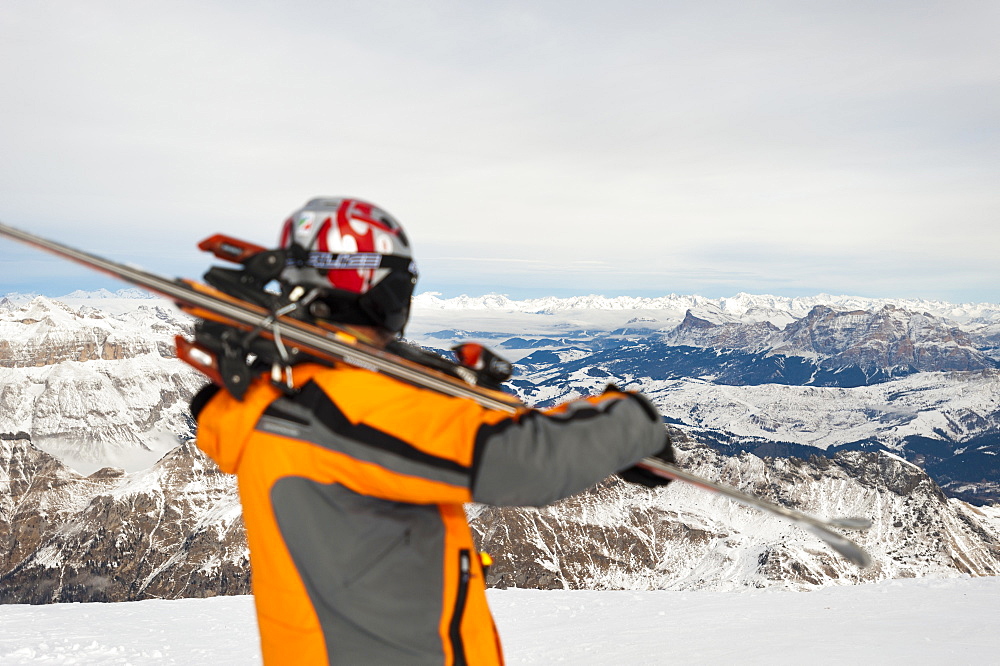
542, 457
386, 439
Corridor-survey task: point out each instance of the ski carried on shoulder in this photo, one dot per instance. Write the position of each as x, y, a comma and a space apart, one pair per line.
270, 320
239, 319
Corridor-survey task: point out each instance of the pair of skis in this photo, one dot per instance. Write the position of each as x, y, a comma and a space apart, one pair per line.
293, 337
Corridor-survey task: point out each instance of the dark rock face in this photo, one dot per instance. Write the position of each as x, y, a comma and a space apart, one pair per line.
890, 339
698, 332
171, 531
881, 344
557, 547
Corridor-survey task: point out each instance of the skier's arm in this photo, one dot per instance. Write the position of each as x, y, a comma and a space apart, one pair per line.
418, 447
541, 457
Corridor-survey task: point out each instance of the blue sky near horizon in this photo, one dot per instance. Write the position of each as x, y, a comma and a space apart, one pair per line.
529, 148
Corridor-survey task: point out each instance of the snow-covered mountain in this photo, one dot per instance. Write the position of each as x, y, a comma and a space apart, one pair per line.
880, 344
496, 313
89, 385
683, 538
745, 307
174, 530
770, 375
95, 386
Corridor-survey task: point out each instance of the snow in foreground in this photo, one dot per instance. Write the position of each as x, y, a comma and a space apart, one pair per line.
922, 621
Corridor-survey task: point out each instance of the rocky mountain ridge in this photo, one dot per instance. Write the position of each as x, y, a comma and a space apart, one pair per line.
45, 332
683, 538
172, 528
93, 387
741, 307
171, 531
881, 344
175, 530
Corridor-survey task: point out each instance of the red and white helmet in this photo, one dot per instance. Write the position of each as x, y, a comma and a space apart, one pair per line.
358, 255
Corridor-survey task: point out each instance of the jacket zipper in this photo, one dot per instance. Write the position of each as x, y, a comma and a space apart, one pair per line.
464, 574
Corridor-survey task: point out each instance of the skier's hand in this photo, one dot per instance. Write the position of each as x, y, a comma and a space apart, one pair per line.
645, 477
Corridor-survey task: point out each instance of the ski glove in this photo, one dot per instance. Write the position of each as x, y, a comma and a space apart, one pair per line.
644, 477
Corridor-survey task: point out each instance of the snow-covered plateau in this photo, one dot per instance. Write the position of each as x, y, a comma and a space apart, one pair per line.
908, 622
952, 405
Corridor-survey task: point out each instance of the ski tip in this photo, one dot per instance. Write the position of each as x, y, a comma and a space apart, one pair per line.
851, 523
846, 548
858, 557
856, 554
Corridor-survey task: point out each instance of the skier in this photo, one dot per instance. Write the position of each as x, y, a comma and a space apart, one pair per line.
353, 484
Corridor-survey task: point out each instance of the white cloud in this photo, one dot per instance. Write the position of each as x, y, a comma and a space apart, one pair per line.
835, 132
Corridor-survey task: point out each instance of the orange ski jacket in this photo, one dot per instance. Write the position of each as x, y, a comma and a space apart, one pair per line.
353, 491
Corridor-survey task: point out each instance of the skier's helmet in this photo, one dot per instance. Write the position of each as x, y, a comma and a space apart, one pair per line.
358, 256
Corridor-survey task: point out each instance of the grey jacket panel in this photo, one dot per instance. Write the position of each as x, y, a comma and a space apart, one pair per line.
311, 416
364, 562
543, 458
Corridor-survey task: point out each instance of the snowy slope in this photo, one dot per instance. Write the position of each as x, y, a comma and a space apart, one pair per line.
124, 413
953, 405
896, 622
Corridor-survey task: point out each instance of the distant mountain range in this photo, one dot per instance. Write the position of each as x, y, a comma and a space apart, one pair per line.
741, 306
772, 376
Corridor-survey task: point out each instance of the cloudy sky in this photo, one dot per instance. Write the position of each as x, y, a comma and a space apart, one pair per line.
529, 148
